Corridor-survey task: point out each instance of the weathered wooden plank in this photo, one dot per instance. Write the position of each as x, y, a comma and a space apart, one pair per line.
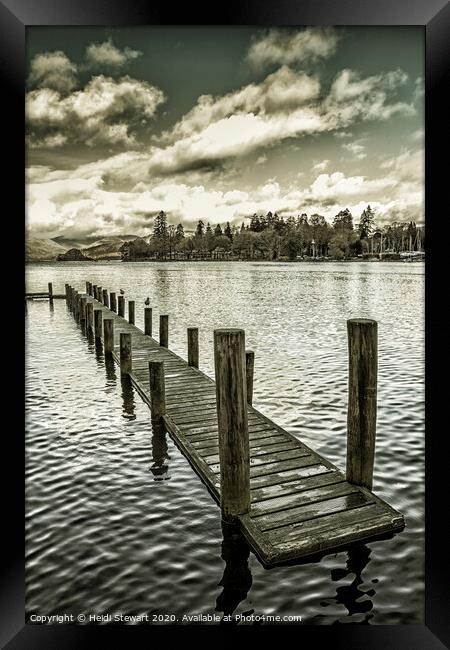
294, 486
274, 468
266, 459
309, 469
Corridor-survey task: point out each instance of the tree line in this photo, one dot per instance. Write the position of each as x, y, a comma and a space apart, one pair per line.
273, 237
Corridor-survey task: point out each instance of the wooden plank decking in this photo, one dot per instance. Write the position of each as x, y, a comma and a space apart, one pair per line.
301, 504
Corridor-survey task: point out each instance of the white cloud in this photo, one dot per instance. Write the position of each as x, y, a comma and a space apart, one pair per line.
321, 166
356, 148
106, 111
106, 54
278, 46
261, 160
53, 70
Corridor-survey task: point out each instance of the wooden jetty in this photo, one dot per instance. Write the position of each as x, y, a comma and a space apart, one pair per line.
289, 501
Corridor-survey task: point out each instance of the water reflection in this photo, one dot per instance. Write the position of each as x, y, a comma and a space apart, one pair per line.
128, 403
237, 578
351, 596
160, 454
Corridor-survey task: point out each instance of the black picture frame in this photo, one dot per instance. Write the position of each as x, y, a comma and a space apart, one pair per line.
15, 17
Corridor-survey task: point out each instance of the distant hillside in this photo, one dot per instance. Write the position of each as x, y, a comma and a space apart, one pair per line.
87, 242
108, 248
42, 250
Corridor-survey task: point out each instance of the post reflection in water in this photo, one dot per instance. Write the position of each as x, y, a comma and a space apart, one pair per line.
237, 578
160, 455
128, 403
110, 367
358, 557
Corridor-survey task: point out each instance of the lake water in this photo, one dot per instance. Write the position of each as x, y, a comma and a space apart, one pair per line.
117, 524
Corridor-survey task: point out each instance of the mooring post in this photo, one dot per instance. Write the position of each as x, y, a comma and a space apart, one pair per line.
69, 297
231, 398
113, 301
164, 331
76, 311
192, 343
106, 298
121, 306
249, 371
362, 400
157, 391
94, 291
125, 353
66, 290
50, 291
99, 294
90, 288
89, 316
83, 300
148, 321
131, 306
87, 287
108, 335
98, 323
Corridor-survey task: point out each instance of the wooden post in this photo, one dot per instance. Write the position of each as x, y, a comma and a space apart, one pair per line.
231, 397
50, 291
249, 371
108, 335
106, 298
89, 316
90, 288
121, 306
94, 291
113, 301
76, 310
66, 290
98, 323
362, 400
87, 287
69, 297
164, 331
99, 294
192, 343
148, 321
157, 390
131, 305
125, 353
83, 300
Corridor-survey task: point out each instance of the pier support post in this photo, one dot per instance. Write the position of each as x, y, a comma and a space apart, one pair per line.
131, 306
50, 291
157, 391
98, 323
362, 400
89, 316
99, 294
106, 298
66, 290
113, 301
87, 287
125, 353
231, 397
90, 288
121, 306
164, 331
148, 321
249, 371
77, 307
108, 335
94, 291
192, 343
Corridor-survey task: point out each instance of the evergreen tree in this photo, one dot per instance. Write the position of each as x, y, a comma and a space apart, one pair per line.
228, 232
179, 232
367, 223
218, 230
199, 231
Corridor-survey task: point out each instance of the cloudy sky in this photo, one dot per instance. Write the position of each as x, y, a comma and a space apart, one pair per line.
220, 123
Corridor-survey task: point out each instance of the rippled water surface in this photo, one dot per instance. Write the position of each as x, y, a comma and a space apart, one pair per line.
119, 523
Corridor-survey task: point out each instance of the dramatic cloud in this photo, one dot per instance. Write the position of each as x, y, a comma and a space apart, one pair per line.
278, 46
106, 111
321, 166
53, 70
101, 55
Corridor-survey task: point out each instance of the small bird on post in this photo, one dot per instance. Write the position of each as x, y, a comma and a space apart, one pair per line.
147, 302
122, 291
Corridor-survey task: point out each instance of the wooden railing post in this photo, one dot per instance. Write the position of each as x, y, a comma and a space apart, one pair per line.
113, 301
249, 371
125, 353
148, 321
98, 323
131, 306
192, 343
106, 298
164, 331
231, 397
121, 306
108, 335
157, 390
362, 400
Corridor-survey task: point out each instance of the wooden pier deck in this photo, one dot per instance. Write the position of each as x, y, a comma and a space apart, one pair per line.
301, 504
